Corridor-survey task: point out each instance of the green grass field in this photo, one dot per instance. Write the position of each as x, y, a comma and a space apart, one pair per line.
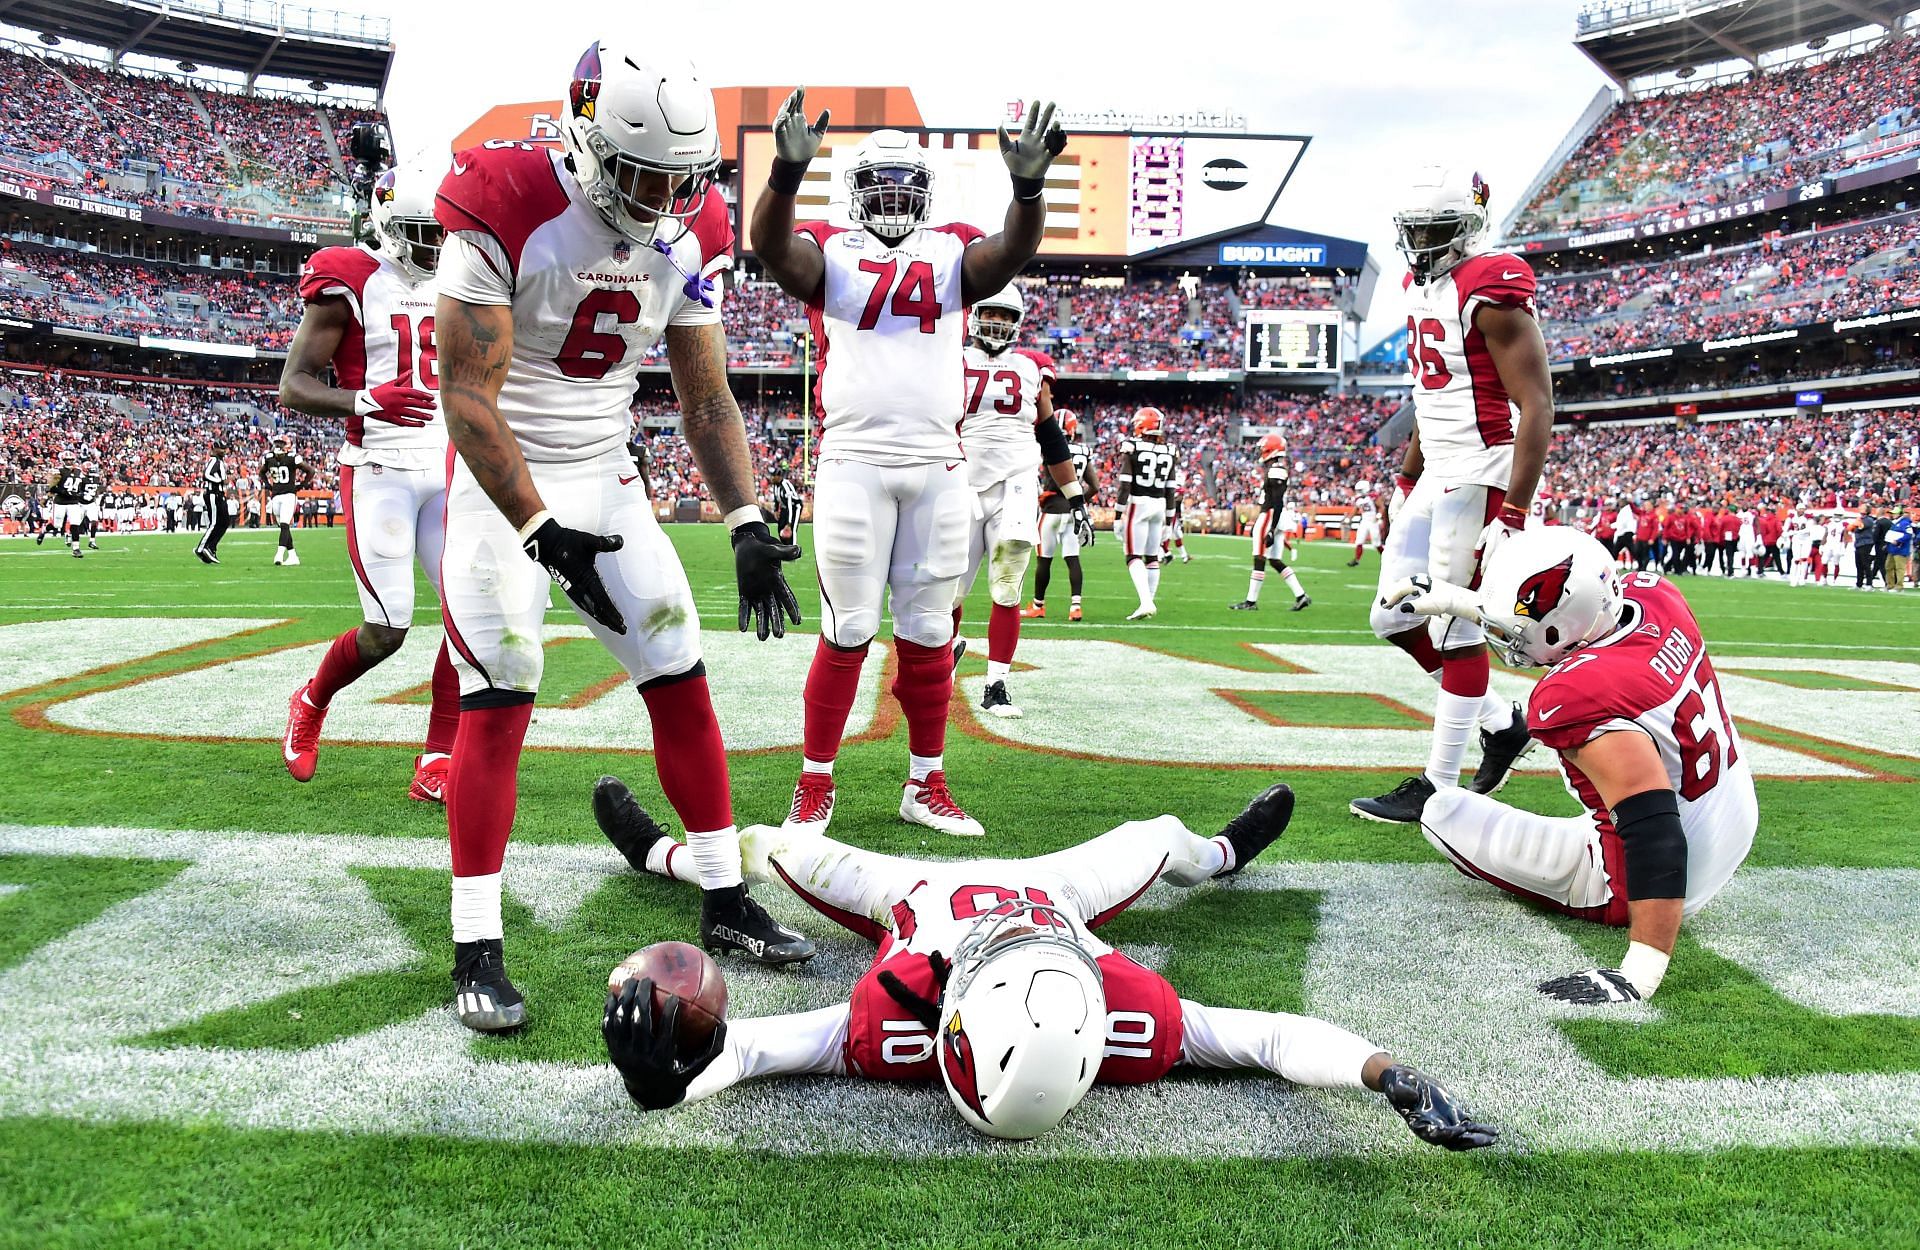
207, 1037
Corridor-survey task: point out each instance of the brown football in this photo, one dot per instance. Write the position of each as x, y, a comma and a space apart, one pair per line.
687, 972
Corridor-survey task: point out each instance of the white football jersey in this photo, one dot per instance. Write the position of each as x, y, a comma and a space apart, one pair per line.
587, 301
889, 328
390, 340
1367, 505
1463, 412
1003, 406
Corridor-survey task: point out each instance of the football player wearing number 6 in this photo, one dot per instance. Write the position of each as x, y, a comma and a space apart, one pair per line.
1483, 416
990, 979
369, 318
1646, 741
561, 269
892, 501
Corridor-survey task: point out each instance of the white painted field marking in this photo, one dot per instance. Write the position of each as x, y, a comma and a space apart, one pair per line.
41, 651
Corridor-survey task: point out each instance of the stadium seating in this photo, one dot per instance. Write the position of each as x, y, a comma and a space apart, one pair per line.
131, 297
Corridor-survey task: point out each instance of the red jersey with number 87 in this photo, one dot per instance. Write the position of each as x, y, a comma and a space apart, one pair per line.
389, 340
888, 330
1462, 410
1653, 677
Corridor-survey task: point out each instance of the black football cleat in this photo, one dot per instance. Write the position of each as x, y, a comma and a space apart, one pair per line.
1499, 752
1434, 1115
959, 652
485, 1000
625, 822
1258, 826
1245, 605
1302, 602
1354, 563
730, 920
998, 702
1399, 806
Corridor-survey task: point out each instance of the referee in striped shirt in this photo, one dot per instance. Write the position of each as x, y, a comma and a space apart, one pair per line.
213, 481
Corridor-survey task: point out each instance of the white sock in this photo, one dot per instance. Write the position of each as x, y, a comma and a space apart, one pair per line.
1254, 584
918, 766
429, 757
1137, 570
1496, 713
1204, 860
476, 908
1454, 719
716, 857
1076, 601
997, 670
815, 766
1153, 581
1293, 583
668, 858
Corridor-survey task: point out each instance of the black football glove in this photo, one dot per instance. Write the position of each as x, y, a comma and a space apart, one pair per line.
1082, 520
927, 1013
1434, 1115
646, 1051
567, 556
765, 597
1593, 988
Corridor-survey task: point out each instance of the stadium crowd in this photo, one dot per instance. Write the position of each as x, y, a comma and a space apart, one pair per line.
1729, 141
131, 297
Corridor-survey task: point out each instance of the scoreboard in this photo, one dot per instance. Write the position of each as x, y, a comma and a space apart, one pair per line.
1281, 340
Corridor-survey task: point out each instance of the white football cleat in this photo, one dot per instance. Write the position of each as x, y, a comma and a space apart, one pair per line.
1143, 612
930, 803
293, 557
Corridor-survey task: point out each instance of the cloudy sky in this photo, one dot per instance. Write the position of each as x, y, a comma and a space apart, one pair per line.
1381, 85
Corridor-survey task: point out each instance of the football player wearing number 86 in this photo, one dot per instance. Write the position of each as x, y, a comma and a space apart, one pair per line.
561, 268
1631, 704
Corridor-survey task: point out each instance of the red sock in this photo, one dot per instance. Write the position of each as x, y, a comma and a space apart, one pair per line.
1003, 634
1466, 675
1418, 643
484, 785
832, 681
924, 686
958, 609
340, 667
688, 754
444, 720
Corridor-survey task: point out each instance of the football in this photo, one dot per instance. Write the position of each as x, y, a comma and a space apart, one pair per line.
682, 969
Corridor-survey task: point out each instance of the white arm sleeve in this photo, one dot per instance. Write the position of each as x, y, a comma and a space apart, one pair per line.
807, 1043
474, 269
1303, 1050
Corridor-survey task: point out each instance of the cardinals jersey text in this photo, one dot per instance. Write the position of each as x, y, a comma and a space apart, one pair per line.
391, 340
1464, 414
1003, 405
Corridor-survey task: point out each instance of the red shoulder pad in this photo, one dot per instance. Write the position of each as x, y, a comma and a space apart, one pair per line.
968, 235
713, 228
1565, 707
1145, 1027
1499, 278
337, 271
1040, 359
884, 1043
507, 192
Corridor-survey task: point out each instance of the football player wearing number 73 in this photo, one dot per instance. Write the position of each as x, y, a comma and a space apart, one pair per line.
1631, 704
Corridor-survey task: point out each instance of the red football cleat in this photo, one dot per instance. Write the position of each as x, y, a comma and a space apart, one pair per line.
300, 747
812, 803
430, 779
1037, 612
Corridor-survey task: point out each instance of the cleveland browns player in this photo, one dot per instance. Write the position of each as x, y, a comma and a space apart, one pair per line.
1631, 704
1269, 531
369, 320
1145, 471
561, 270
283, 473
989, 975
1010, 432
1058, 528
1483, 416
892, 504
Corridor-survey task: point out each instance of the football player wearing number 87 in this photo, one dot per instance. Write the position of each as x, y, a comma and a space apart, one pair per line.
1645, 739
560, 270
893, 505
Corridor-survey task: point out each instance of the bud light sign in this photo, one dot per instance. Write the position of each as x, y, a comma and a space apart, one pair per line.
1307, 254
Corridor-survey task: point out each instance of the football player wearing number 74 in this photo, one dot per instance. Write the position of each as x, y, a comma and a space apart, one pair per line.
1631, 704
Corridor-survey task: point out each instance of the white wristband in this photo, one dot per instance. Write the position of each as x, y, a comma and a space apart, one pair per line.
1645, 967
745, 514
535, 522
1072, 489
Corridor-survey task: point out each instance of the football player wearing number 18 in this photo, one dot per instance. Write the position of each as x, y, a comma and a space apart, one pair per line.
892, 502
369, 317
561, 269
1483, 416
1646, 741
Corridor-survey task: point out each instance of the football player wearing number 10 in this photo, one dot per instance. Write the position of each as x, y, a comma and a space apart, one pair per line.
561, 269
892, 503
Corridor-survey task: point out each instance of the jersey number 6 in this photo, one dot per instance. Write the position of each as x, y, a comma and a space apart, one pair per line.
588, 351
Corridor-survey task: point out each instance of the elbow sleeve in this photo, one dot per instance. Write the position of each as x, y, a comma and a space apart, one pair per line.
1053, 443
1655, 844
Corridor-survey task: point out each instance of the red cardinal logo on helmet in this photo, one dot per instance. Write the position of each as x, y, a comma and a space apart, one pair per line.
586, 83
956, 1056
1541, 593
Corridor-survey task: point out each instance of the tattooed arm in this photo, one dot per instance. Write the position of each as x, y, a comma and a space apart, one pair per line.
709, 417
476, 342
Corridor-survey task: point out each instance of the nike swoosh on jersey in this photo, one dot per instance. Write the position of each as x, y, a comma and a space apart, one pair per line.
956, 464
628, 481
1547, 713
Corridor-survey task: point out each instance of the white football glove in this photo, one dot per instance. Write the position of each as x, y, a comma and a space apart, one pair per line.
1510, 522
1423, 595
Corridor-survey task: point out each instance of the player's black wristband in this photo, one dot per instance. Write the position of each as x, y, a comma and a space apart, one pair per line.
1655, 843
1027, 190
785, 177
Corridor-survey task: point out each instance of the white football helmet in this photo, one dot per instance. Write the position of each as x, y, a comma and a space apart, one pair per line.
403, 220
1548, 591
997, 333
889, 187
641, 137
1023, 1021
1443, 221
